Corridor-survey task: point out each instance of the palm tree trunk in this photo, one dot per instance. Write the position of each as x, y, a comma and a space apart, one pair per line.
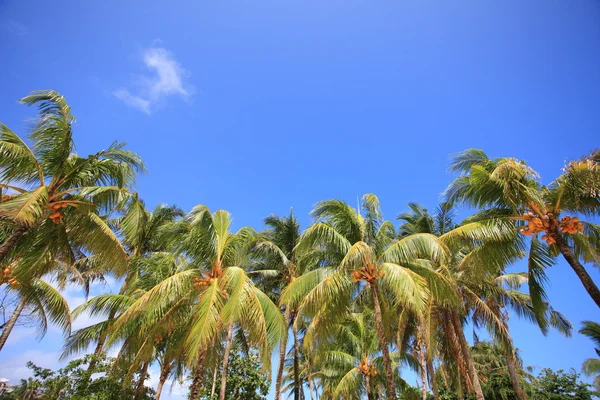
423, 365
296, 363
467, 356
164, 374
11, 322
310, 387
432, 380
226, 361
282, 351
214, 384
427, 357
389, 375
370, 395
12, 241
197, 381
140, 385
511, 363
452, 339
582, 274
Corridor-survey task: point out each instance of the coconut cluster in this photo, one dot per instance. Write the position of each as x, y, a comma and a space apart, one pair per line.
367, 274
7, 197
549, 224
202, 283
57, 216
7, 277
367, 368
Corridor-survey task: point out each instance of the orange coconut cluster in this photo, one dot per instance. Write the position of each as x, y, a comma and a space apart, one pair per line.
367, 274
536, 225
8, 278
7, 197
57, 216
570, 225
202, 283
366, 368
159, 337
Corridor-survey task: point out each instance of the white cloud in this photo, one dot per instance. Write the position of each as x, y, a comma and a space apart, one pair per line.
167, 80
133, 101
15, 28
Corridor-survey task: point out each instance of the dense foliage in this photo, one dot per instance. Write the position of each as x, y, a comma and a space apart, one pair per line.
349, 303
73, 382
246, 379
560, 385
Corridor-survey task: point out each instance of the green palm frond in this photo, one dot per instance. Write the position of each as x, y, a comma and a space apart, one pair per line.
539, 260
591, 366
560, 322
418, 246
348, 385
206, 322
25, 208
464, 161
408, 288
320, 234
49, 303
294, 294
104, 305
93, 233
81, 339
592, 330
17, 162
345, 219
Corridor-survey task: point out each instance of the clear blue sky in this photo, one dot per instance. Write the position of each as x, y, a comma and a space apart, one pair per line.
258, 106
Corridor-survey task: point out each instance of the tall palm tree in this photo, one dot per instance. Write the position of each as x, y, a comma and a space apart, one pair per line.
479, 252
351, 358
53, 213
490, 358
508, 188
214, 295
359, 253
276, 266
143, 233
58, 194
137, 350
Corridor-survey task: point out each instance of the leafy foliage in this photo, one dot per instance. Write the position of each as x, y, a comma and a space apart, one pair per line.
72, 382
560, 385
246, 379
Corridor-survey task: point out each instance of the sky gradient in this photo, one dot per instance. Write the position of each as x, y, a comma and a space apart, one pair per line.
258, 106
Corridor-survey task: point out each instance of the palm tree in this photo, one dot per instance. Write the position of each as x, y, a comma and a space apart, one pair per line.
591, 366
53, 213
57, 194
490, 359
212, 296
359, 253
144, 233
479, 252
508, 188
277, 265
350, 358
470, 247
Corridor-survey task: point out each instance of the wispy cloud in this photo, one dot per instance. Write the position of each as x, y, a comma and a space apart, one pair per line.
15, 28
168, 80
132, 100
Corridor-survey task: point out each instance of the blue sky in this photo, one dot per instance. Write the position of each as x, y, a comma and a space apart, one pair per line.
259, 106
